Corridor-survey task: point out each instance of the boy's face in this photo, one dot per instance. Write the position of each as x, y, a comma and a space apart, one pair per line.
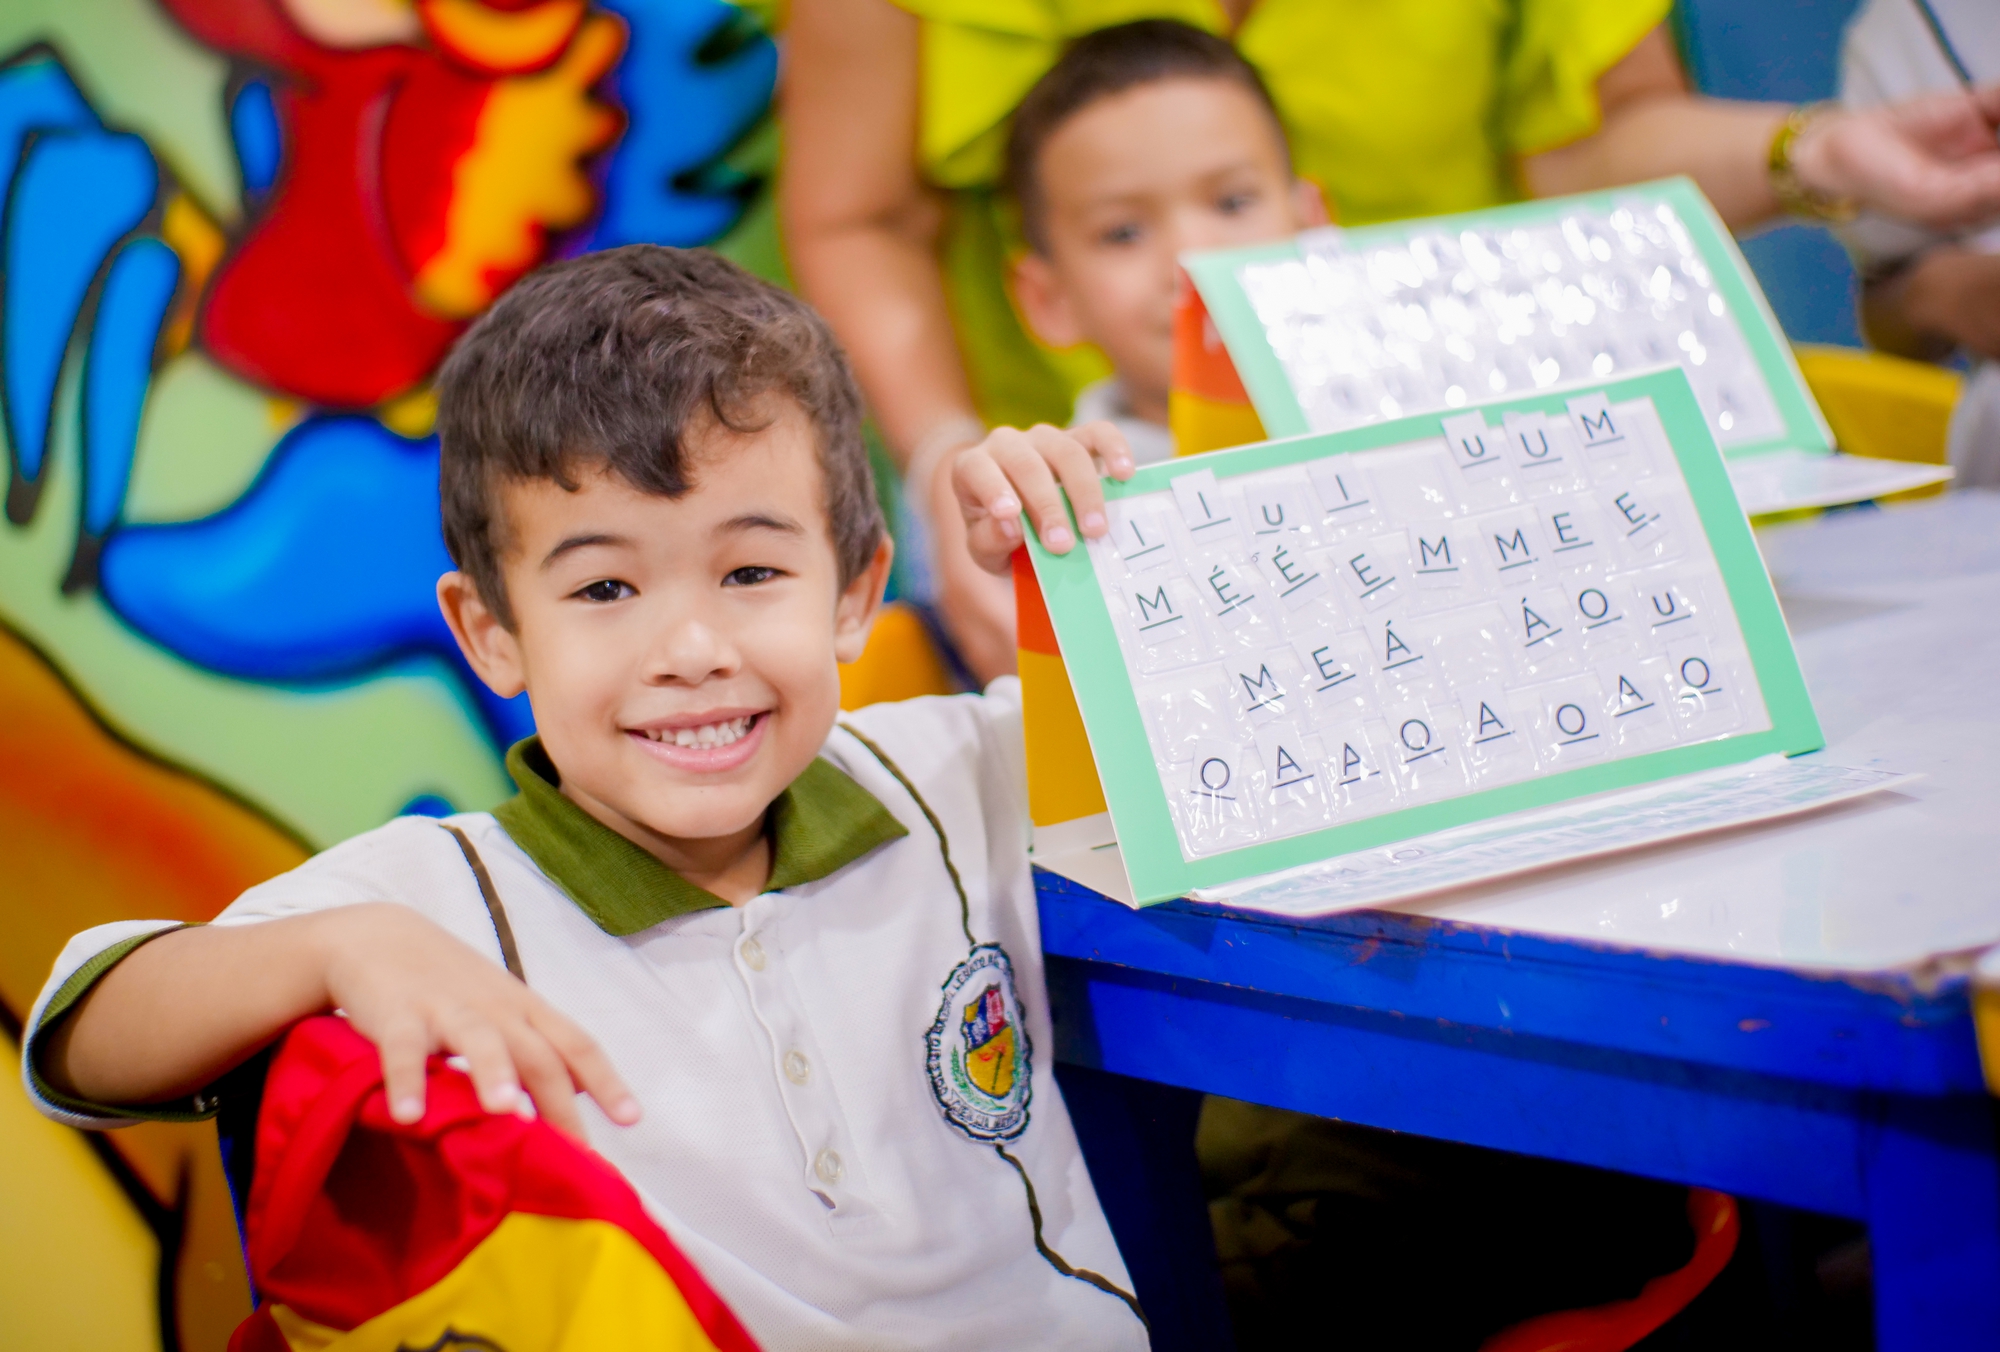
1130, 183
680, 653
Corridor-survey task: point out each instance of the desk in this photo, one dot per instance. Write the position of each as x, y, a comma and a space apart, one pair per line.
1780, 1012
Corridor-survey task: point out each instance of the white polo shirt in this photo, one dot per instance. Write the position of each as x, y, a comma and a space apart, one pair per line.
839, 1081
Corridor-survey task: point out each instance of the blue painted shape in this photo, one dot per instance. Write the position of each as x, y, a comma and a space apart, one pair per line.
74, 197
325, 569
682, 111
258, 136
1885, 1032
1786, 52
36, 94
118, 370
427, 805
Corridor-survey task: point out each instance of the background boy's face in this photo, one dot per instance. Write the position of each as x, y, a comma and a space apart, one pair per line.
680, 654
1127, 185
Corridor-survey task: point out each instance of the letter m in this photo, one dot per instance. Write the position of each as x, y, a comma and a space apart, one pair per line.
1511, 546
1155, 607
1440, 551
1261, 688
1599, 428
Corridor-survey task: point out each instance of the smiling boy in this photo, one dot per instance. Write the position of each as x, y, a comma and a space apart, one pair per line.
794, 964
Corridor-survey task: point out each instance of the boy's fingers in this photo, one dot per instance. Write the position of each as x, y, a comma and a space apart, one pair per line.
984, 495
546, 1079
403, 1048
488, 1061
588, 1067
1109, 445
1022, 460
1070, 459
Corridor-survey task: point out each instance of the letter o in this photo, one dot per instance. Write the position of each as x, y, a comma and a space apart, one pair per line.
1705, 673
1216, 786
1404, 733
1583, 603
1582, 720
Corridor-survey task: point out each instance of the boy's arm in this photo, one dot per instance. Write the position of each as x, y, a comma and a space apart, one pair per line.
175, 1013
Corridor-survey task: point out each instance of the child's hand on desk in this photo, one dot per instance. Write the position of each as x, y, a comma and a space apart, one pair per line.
1014, 472
414, 990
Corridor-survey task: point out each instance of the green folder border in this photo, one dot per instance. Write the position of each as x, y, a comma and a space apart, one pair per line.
1270, 390
1117, 732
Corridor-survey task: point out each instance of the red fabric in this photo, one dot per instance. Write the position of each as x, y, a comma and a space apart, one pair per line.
1617, 1326
351, 1212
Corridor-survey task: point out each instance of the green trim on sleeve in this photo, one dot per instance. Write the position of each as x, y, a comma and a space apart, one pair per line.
823, 822
195, 1107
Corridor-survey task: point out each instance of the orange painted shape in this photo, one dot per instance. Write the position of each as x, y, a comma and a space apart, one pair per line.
199, 244
522, 176
501, 41
1062, 773
900, 662
1201, 364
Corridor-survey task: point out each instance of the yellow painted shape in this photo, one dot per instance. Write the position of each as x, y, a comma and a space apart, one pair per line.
77, 1264
499, 40
536, 1284
413, 414
900, 662
1881, 406
1200, 424
1062, 776
521, 177
198, 242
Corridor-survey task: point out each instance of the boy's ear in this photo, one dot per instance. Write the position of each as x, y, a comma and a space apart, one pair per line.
1045, 302
493, 652
1309, 204
854, 614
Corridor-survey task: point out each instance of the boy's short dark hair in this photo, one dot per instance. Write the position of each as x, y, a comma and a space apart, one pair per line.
619, 358
1098, 65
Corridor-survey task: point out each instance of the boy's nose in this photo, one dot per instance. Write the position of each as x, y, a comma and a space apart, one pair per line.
690, 650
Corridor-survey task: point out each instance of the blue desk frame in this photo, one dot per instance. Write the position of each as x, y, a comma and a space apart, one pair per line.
1855, 1096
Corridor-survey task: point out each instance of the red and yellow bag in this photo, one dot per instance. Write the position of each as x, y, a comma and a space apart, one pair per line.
465, 1230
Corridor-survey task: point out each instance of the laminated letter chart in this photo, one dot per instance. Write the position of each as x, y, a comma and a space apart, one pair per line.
1287, 651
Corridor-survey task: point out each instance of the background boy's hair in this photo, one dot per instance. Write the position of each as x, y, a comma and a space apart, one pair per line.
617, 359
1098, 65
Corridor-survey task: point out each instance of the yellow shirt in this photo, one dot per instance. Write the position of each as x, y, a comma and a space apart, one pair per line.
1396, 108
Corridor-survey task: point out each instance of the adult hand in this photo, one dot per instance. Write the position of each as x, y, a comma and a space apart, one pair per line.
1948, 297
1932, 160
414, 990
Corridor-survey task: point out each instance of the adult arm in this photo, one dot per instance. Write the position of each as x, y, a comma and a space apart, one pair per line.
861, 228
1931, 160
1945, 298
179, 1011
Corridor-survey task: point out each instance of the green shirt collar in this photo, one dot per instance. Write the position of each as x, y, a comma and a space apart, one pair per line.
821, 824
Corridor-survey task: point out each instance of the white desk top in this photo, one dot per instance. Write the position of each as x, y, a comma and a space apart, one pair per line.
1896, 615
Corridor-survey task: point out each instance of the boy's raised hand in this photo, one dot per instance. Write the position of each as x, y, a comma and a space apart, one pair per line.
1014, 472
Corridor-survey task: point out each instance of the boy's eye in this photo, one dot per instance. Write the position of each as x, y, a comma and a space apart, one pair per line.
606, 589
749, 576
1236, 203
1119, 235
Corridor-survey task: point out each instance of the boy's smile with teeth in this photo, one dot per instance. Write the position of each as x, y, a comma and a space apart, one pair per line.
705, 734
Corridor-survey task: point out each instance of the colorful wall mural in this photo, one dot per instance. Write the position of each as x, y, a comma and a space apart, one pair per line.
238, 236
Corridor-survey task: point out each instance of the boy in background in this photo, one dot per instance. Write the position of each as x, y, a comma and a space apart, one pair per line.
794, 962
1144, 142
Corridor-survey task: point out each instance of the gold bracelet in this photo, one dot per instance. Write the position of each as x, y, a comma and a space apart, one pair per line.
1794, 196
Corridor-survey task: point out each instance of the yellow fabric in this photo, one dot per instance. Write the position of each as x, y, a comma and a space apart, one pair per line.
1396, 108
536, 1284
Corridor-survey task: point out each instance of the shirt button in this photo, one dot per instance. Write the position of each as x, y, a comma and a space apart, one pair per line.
797, 1069
827, 1165
753, 954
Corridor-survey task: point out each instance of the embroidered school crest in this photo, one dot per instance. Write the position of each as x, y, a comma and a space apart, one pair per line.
978, 1049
